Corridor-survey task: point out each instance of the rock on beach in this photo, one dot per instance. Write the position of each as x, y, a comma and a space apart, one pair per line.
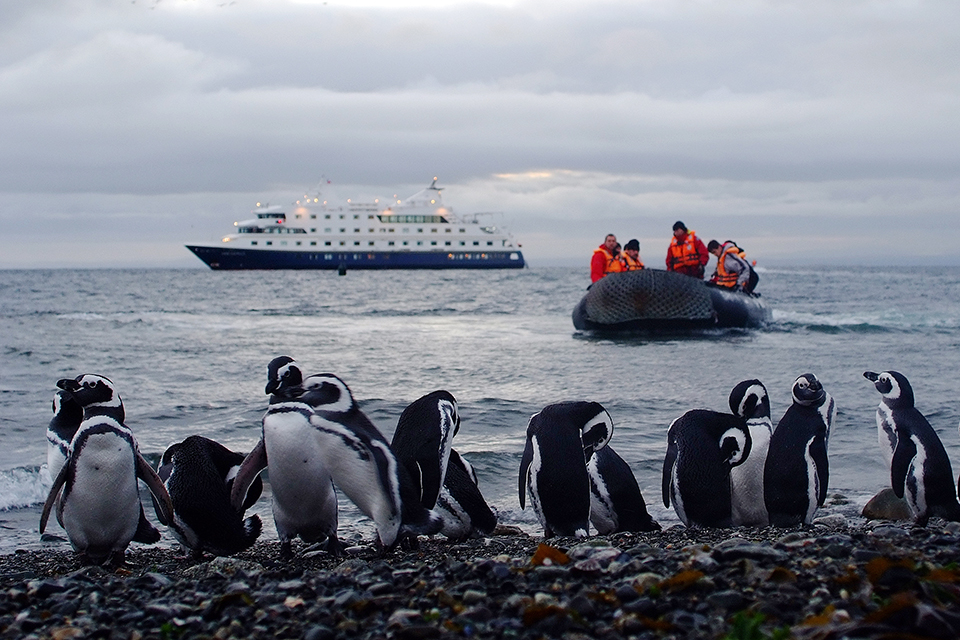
826, 581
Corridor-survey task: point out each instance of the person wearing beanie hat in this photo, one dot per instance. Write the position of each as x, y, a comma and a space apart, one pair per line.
631, 256
687, 254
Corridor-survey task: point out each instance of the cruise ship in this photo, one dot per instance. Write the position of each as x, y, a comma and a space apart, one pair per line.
417, 233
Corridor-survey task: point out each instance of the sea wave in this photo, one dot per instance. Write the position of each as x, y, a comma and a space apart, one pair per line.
860, 322
23, 487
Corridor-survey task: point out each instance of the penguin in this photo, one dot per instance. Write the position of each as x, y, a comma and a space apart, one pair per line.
796, 472
464, 512
703, 447
749, 401
423, 439
99, 506
886, 429
67, 416
561, 438
294, 454
615, 500
362, 464
198, 474
919, 469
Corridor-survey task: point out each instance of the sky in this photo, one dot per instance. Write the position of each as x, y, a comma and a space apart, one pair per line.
812, 132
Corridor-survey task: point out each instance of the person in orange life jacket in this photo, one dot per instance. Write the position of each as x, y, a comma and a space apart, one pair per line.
631, 256
604, 258
687, 253
732, 270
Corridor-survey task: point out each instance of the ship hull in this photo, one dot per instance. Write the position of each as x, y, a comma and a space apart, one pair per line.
221, 258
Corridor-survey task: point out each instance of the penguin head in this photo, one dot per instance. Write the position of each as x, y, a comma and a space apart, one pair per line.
735, 444
808, 391
282, 372
66, 408
893, 387
597, 428
90, 389
327, 392
749, 400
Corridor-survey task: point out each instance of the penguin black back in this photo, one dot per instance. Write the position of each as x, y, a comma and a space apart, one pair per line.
423, 439
616, 503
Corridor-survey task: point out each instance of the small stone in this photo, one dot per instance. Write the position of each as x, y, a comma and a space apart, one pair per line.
319, 632
729, 599
471, 596
750, 551
834, 520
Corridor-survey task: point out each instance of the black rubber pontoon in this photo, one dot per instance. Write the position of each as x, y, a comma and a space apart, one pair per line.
656, 300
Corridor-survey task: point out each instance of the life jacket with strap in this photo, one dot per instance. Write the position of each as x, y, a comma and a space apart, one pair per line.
629, 264
726, 278
684, 254
615, 265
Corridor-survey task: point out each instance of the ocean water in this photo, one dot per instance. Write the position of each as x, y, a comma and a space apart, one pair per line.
188, 350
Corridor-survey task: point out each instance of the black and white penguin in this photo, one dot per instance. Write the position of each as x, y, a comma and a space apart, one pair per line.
464, 512
363, 465
296, 457
67, 416
615, 500
561, 438
796, 474
99, 506
920, 469
198, 474
702, 448
749, 400
423, 439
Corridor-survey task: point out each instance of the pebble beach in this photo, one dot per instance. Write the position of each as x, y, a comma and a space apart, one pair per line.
839, 578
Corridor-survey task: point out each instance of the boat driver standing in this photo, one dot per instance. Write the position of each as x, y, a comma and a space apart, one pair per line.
687, 253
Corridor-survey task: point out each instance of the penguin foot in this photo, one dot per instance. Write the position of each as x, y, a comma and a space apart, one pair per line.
286, 550
334, 547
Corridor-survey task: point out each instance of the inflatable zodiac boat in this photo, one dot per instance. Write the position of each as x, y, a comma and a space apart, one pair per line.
655, 300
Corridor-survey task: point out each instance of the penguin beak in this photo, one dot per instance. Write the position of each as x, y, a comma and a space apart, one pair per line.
68, 384
271, 386
871, 376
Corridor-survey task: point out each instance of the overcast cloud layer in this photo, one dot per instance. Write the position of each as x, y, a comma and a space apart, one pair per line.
811, 132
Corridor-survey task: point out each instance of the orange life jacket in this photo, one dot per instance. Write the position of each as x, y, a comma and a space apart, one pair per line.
684, 255
615, 265
629, 264
726, 278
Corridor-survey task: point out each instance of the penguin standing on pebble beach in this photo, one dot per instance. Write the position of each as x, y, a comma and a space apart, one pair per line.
464, 512
616, 503
423, 440
919, 469
703, 447
67, 416
749, 401
796, 474
561, 438
99, 506
198, 474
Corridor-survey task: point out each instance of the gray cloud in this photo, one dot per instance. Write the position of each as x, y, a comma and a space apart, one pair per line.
796, 125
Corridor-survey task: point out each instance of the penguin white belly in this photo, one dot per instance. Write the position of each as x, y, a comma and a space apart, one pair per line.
746, 480
358, 474
533, 488
456, 521
914, 488
102, 509
55, 460
602, 514
676, 498
813, 483
886, 432
303, 496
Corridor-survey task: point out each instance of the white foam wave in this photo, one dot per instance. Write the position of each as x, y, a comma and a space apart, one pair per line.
23, 487
888, 320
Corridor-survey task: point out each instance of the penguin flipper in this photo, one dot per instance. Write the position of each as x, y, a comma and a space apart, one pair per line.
52, 496
162, 503
903, 455
818, 451
146, 533
525, 470
250, 469
669, 468
430, 481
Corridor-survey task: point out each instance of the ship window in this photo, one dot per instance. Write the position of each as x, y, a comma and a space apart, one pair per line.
476, 244
356, 243
327, 230
370, 230
283, 243
356, 217
370, 243
313, 216
447, 230
369, 217
433, 230
433, 243
489, 244
419, 243
391, 229
462, 243
405, 243
406, 230
356, 230
463, 230
382, 230
328, 256
341, 216
390, 243
419, 230
342, 243
299, 243
326, 216
342, 230
269, 242
327, 243
253, 242
447, 243
313, 243
313, 230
